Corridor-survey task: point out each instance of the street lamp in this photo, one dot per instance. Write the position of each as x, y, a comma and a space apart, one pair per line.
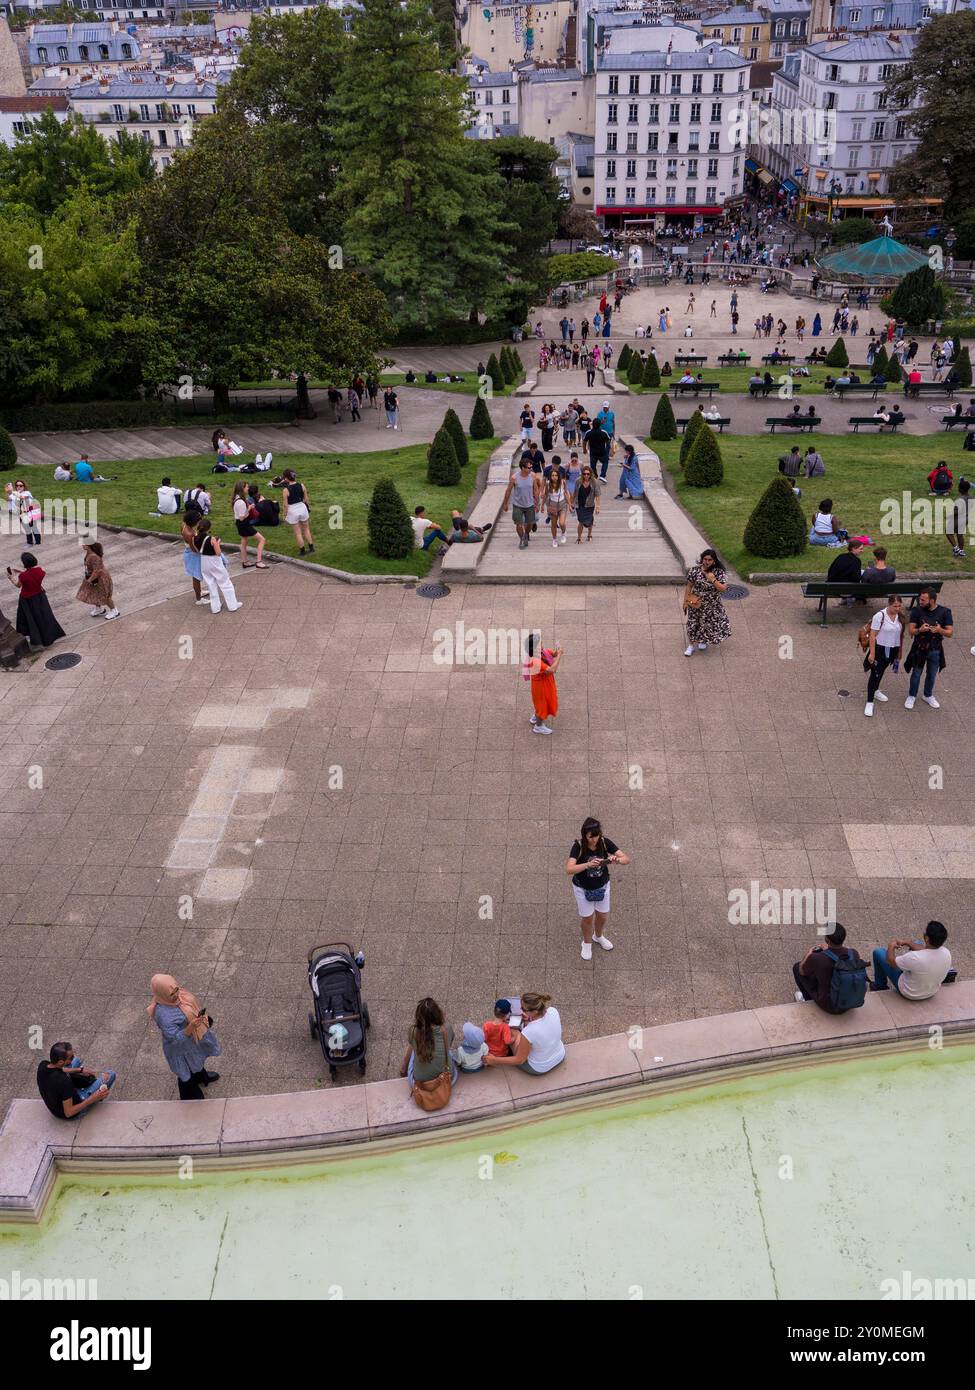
835, 189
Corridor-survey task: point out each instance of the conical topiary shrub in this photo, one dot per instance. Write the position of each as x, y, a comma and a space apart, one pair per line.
777, 526
390, 532
836, 357
495, 373
634, 372
481, 426
451, 423
651, 372
664, 425
8, 449
507, 366
704, 467
443, 469
962, 365
893, 371
624, 359
690, 434
880, 361
519, 365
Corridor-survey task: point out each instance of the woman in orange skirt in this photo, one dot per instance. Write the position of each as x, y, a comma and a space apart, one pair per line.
540, 667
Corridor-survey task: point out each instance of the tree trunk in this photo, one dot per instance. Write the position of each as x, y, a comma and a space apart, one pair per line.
221, 399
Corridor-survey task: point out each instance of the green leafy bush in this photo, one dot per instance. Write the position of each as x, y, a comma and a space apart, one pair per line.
443, 468
481, 426
690, 434
704, 467
8, 450
580, 265
451, 423
836, 357
664, 425
920, 296
390, 531
777, 526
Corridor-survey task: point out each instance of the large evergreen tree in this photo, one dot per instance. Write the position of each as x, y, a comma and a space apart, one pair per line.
422, 204
939, 76
285, 81
531, 204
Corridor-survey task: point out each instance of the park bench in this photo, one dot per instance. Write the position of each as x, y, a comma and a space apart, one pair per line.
731, 359
772, 359
687, 359
857, 420
794, 422
931, 388
861, 388
694, 388
907, 588
813, 360
720, 423
764, 389
950, 421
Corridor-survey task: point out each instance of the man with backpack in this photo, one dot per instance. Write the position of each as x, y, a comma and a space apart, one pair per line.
831, 975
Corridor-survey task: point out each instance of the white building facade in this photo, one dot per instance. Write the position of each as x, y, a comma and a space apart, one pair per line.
831, 125
671, 127
162, 112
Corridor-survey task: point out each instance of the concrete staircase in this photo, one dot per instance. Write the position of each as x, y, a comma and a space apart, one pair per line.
145, 570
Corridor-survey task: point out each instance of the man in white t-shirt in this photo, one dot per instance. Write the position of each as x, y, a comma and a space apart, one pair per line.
916, 969
424, 530
169, 498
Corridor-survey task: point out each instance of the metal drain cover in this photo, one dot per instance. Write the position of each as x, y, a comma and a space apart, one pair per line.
735, 591
433, 591
843, 694
64, 662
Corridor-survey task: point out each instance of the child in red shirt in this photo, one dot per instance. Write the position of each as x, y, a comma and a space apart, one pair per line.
497, 1034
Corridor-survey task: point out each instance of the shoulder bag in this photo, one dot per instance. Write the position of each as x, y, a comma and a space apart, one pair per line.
434, 1095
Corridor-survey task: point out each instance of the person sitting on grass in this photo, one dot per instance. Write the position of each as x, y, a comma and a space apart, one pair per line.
430, 377
62, 474
825, 529
426, 531
940, 479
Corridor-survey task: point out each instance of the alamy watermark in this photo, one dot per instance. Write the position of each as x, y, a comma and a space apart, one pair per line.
479, 646
775, 907
60, 516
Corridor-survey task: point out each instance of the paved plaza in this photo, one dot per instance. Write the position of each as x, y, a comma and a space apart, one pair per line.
177, 808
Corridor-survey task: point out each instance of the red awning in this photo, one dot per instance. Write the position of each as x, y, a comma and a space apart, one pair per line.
629, 210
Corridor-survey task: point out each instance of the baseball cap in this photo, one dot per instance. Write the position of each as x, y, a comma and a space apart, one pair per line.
502, 1006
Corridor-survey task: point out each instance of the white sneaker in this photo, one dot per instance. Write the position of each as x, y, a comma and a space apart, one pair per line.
541, 729
702, 646
868, 708
533, 719
113, 614
909, 702
96, 612
604, 941
586, 951
689, 651
204, 599
800, 997
562, 540
555, 545
881, 697
930, 700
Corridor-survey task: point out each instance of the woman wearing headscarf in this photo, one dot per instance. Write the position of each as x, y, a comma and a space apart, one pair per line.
187, 1037
96, 587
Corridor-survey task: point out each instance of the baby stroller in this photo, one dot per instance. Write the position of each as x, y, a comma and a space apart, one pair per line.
341, 1017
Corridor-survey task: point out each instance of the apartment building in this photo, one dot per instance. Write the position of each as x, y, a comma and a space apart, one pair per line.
163, 111
494, 99
671, 127
741, 28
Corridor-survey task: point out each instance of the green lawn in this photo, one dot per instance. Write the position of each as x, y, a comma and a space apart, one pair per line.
129, 500
735, 379
467, 387
861, 471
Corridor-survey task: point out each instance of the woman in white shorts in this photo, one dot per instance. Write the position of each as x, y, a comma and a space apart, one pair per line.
556, 502
296, 496
588, 864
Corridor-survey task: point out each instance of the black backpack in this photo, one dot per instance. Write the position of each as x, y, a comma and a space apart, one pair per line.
848, 987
